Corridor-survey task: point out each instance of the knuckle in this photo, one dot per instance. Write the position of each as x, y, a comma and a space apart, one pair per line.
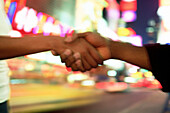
88, 68
67, 65
95, 65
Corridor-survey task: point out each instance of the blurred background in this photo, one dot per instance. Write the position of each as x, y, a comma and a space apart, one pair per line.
41, 83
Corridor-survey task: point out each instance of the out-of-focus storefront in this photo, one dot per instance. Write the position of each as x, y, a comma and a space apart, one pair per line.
40, 73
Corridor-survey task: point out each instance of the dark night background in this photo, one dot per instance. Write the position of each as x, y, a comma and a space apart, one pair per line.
146, 10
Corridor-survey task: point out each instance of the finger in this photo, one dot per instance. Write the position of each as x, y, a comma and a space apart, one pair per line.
96, 56
90, 60
83, 35
69, 61
74, 67
71, 37
80, 65
54, 53
72, 59
65, 55
86, 65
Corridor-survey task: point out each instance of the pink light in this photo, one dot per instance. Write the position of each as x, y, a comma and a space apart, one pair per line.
136, 40
48, 26
36, 29
129, 16
128, 0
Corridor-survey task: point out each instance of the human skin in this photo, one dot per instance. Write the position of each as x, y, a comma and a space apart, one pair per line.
110, 49
14, 47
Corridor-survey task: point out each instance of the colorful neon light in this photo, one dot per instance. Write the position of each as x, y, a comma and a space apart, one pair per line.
48, 26
129, 16
7, 4
164, 2
20, 18
31, 20
124, 5
11, 11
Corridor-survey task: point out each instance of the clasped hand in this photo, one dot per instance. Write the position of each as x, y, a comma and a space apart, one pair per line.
85, 51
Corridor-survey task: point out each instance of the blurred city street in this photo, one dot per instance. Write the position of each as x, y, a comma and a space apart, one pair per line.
136, 101
39, 97
44, 99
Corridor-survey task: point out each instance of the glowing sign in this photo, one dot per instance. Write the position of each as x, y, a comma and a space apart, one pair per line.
129, 16
14, 33
48, 26
41, 20
31, 20
26, 19
124, 5
21, 17
7, 4
11, 11
56, 28
128, 0
164, 2
123, 31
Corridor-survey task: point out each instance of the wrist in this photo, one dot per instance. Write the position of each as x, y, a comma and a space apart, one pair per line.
56, 44
115, 48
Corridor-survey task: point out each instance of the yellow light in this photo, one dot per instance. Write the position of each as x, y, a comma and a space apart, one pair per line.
10, 73
148, 74
41, 23
137, 75
29, 67
123, 32
7, 4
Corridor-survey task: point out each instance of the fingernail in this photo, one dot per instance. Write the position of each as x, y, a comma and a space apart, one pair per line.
78, 63
77, 56
67, 52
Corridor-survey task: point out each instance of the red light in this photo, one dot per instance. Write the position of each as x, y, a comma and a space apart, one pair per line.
124, 6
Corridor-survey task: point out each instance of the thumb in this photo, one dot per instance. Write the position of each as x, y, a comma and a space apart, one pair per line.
70, 37
54, 53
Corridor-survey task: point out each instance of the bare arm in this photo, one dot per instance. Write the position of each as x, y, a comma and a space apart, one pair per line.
14, 47
129, 53
116, 50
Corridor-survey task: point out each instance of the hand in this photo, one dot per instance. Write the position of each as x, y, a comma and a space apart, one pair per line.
95, 39
89, 55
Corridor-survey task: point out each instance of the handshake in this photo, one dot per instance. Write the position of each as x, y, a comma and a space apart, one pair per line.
84, 51
81, 51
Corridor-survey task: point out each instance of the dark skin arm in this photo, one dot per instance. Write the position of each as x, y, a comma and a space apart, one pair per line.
14, 47
131, 54
114, 50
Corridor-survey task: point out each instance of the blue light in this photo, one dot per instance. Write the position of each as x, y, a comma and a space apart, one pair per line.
11, 11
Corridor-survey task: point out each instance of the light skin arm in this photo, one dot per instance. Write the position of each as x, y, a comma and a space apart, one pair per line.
115, 50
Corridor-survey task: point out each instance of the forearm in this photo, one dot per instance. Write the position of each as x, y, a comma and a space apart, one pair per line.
14, 47
131, 54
